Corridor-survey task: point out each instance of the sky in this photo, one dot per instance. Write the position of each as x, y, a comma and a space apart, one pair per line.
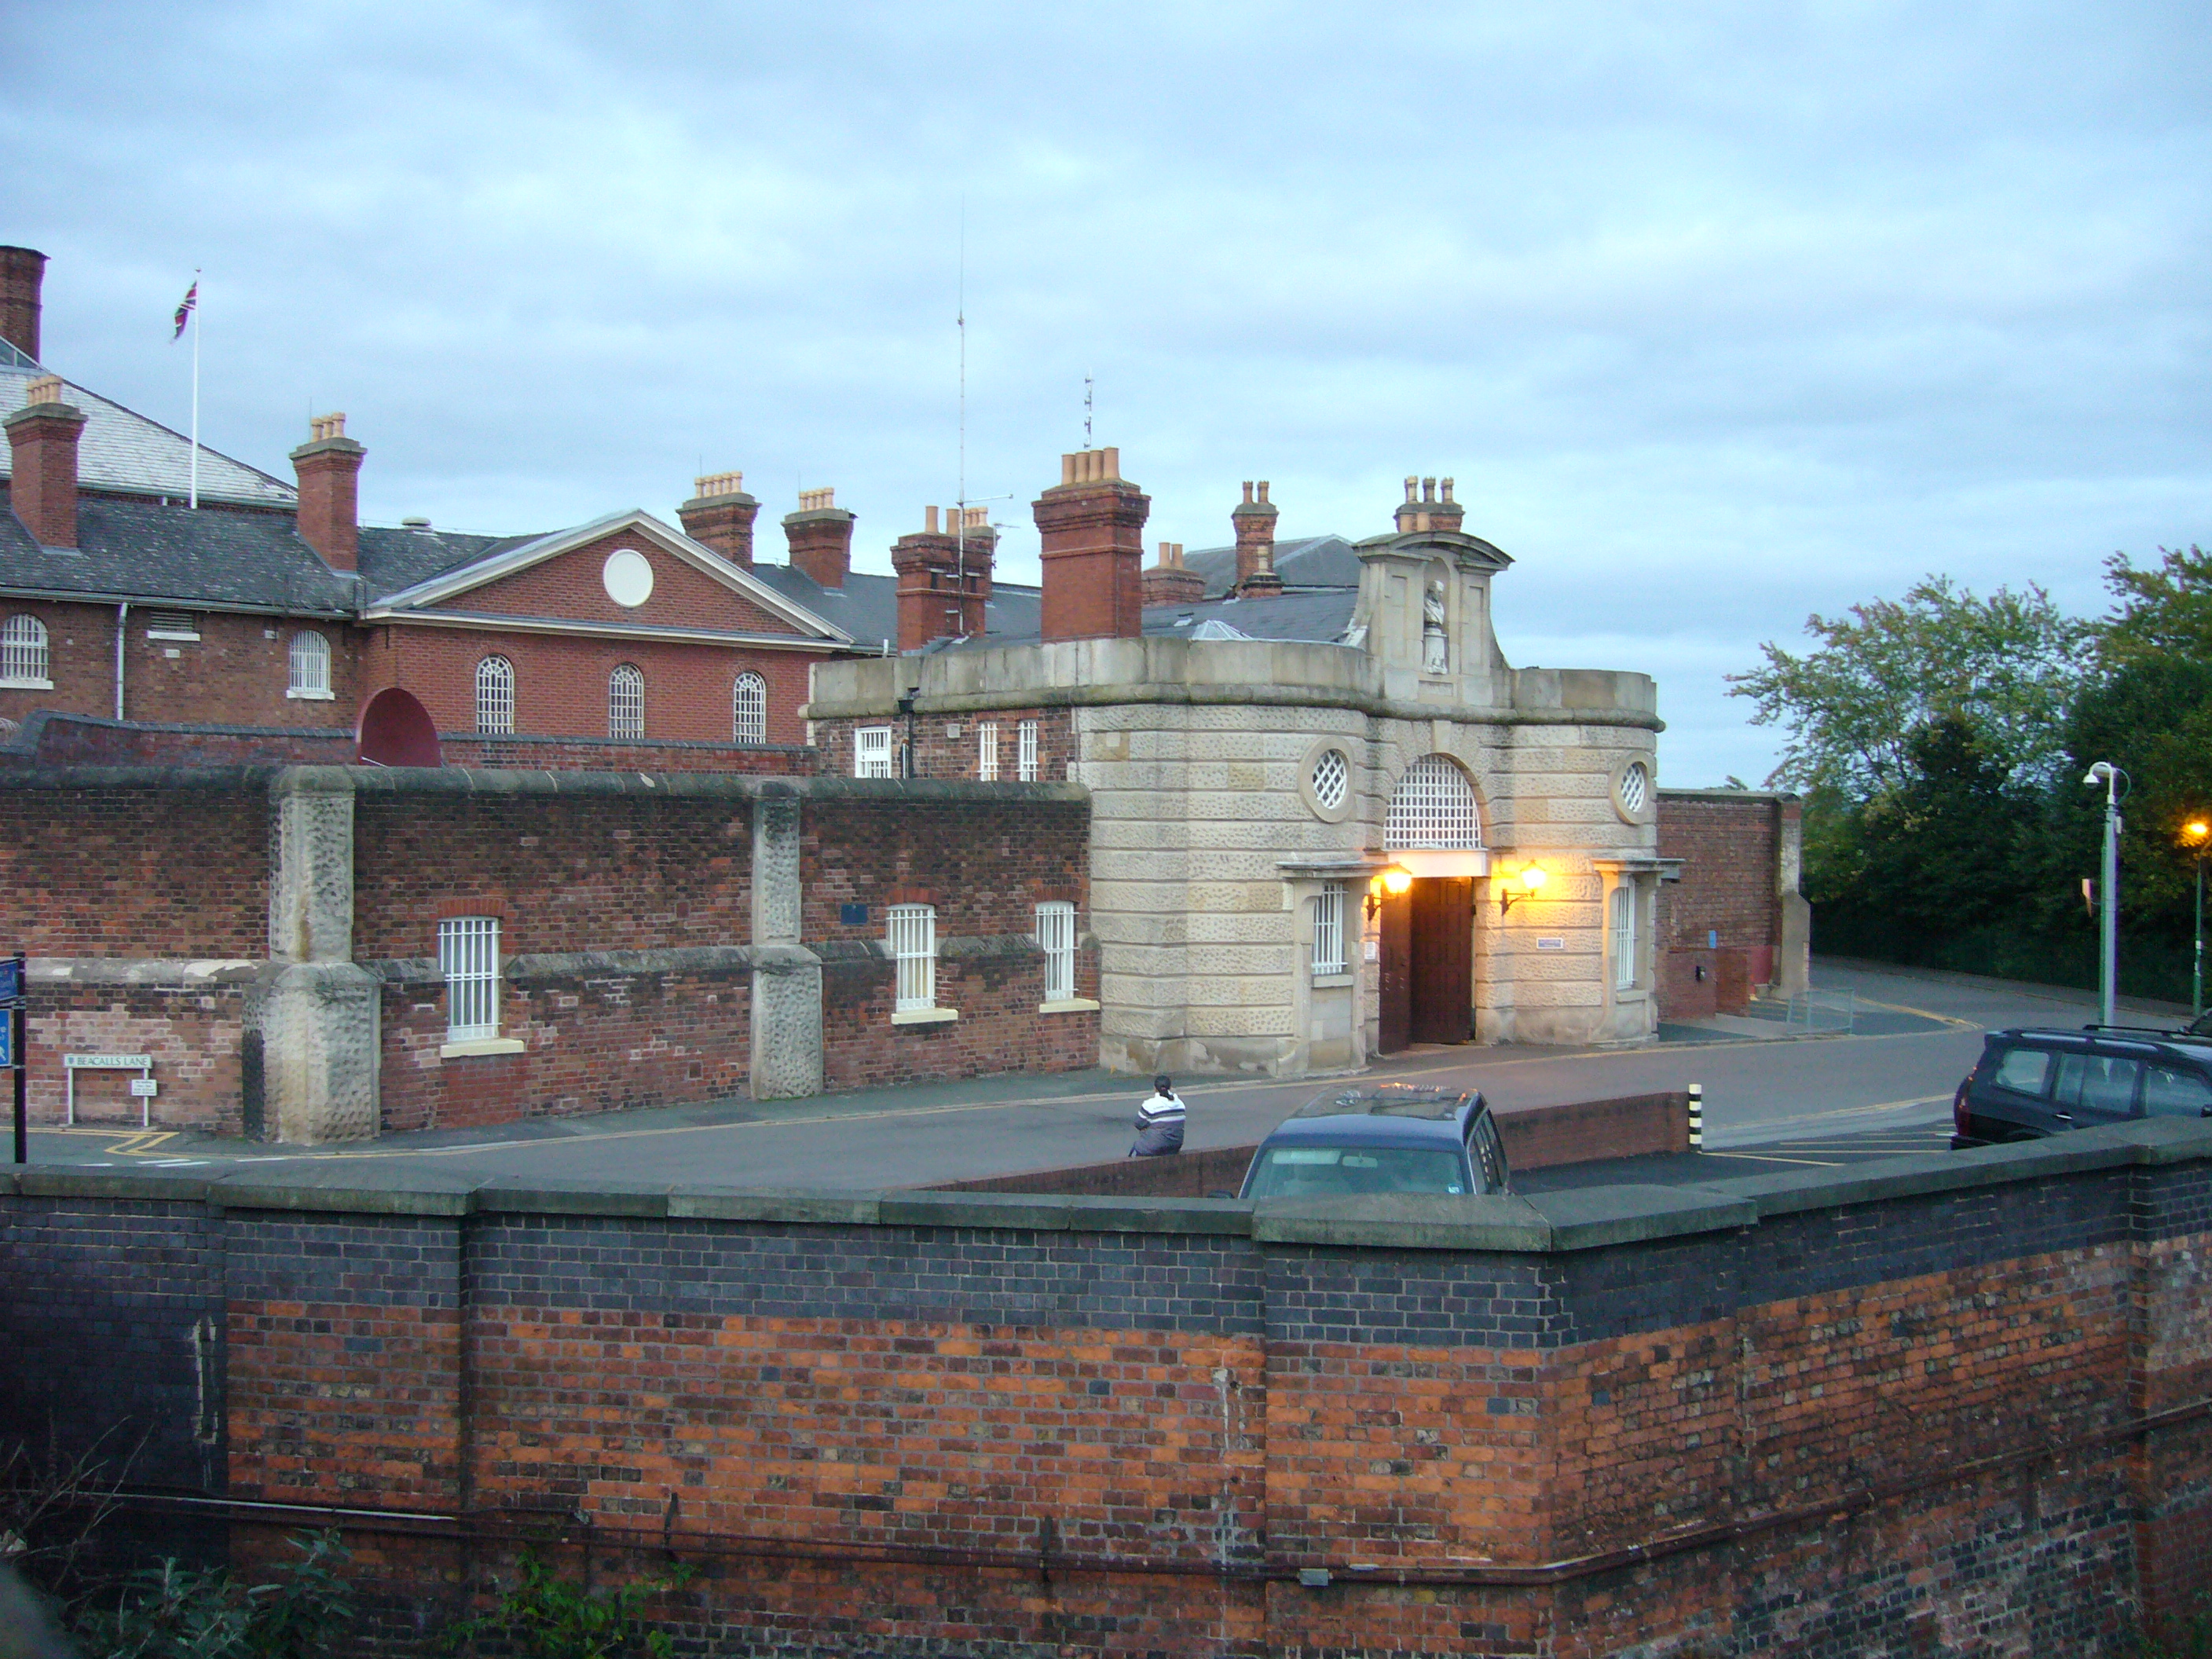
1720, 315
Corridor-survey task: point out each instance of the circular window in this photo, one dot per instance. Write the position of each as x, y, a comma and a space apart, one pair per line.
1631, 791
1332, 776
628, 578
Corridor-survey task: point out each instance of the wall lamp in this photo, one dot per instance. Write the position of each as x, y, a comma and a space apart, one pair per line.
1392, 879
1531, 880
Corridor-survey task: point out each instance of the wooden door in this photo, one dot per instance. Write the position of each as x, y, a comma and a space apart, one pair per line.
1395, 1023
1442, 952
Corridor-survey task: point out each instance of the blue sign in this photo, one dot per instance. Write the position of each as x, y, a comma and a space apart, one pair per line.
852, 915
11, 979
7, 1042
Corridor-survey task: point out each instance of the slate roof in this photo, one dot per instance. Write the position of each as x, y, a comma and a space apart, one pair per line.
122, 449
1320, 614
1309, 562
224, 557
866, 607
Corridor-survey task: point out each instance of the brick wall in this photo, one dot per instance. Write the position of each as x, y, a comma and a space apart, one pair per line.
951, 748
1730, 846
1825, 1414
187, 1017
606, 755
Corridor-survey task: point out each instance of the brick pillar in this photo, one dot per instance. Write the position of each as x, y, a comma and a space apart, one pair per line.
975, 550
23, 274
1171, 581
821, 538
929, 601
1092, 524
721, 516
1254, 521
42, 439
329, 468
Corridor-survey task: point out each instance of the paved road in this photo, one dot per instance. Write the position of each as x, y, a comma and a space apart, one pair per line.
1890, 1088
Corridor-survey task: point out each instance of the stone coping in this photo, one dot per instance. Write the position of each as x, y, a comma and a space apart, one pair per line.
488, 781
1573, 1219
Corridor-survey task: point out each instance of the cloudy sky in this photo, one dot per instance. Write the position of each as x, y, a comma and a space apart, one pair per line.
1720, 314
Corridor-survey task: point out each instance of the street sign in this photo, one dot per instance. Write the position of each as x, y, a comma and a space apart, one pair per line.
11, 979
7, 1040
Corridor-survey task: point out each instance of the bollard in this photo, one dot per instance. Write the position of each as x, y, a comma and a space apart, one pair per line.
1696, 1117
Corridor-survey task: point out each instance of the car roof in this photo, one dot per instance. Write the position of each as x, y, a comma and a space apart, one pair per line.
1396, 1115
2127, 1040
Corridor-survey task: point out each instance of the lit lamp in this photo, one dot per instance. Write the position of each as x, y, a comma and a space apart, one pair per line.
2196, 836
1392, 879
1531, 881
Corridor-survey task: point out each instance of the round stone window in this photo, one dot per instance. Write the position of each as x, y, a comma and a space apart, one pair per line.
628, 578
1631, 791
1325, 781
1332, 777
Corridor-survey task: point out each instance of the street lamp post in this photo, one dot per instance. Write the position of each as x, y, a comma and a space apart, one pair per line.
2196, 834
2108, 951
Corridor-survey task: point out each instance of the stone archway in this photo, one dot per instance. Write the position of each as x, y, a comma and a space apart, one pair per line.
395, 730
1427, 944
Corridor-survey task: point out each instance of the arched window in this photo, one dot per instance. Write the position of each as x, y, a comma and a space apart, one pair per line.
748, 709
495, 697
1433, 806
311, 664
23, 659
626, 701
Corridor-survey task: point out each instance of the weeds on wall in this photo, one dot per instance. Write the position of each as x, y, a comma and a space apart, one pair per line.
171, 1612
545, 1616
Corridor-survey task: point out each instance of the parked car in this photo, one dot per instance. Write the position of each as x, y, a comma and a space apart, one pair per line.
1393, 1138
2035, 1081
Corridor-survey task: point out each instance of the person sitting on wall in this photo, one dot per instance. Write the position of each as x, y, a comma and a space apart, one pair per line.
1159, 1121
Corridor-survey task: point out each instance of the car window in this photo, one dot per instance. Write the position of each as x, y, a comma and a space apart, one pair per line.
2023, 1070
2096, 1082
2169, 1093
1327, 1171
1489, 1153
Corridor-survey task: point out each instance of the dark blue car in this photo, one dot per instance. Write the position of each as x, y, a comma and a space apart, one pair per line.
1393, 1138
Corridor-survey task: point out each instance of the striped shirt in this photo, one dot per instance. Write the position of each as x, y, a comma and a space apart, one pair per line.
1160, 1127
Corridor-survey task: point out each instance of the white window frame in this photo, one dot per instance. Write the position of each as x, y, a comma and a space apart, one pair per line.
1328, 930
911, 931
986, 752
468, 957
871, 751
1025, 751
1434, 807
626, 702
494, 698
749, 709
26, 661
1055, 937
309, 666
1624, 935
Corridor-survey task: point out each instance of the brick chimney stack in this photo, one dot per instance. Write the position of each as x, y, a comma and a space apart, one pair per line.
975, 550
328, 466
721, 516
1425, 507
928, 589
1092, 524
821, 538
1254, 521
1171, 581
42, 437
22, 275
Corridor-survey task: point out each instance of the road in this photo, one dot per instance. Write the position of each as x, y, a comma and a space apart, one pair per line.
1889, 1086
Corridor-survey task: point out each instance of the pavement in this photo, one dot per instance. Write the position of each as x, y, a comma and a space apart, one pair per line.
1775, 1097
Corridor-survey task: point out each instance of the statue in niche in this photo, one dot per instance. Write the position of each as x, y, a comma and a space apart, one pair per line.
1435, 644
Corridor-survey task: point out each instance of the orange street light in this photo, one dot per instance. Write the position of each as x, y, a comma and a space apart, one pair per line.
1532, 879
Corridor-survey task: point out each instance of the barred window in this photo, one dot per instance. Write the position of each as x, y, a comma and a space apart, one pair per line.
1025, 751
1623, 936
1055, 937
914, 948
1433, 806
626, 701
1328, 929
748, 709
871, 751
311, 664
494, 695
23, 656
468, 956
986, 752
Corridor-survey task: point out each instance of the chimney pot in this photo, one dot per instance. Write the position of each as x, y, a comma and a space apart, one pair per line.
929, 521
23, 274
1412, 489
1444, 488
1428, 489
1248, 490
720, 515
821, 538
46, 389
42, 437
718, 483
1263, 492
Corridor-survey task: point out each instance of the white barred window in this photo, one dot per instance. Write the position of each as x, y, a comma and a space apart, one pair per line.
495, 697
871, 751
1623, 936
1055, 937
914, 948
1328, 929
1025, 751
626, 701
1433, 806
310, 665
748, 709
468, 956
23, 656
986, 752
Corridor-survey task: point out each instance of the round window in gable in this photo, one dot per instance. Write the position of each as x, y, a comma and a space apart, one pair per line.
1632, 791
1332, 776
628, 578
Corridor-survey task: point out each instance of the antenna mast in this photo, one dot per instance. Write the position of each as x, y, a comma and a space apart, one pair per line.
1086, 411
960, 321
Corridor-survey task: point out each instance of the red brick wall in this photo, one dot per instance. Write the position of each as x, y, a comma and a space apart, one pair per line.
599, 755
1729, 849
999, 1029
571, 586
190, 1032
985, 865
939, 754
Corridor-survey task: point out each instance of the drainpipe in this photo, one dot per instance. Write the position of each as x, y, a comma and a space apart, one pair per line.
122, 621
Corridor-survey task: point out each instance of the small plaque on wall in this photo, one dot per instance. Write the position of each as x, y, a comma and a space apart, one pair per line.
1550, 945
852, 915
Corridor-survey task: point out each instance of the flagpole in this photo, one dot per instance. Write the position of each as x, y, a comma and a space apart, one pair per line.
194, 500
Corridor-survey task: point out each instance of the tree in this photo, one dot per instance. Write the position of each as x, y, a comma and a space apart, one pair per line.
2165, 613
2005, 669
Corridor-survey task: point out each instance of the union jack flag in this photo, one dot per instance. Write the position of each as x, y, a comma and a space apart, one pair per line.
184, 311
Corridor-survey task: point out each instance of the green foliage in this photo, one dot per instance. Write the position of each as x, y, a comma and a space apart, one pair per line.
171, 1612
545, 1616
2165, 613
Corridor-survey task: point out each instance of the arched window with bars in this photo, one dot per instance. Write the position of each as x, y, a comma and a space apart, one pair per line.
495, 697
1434, 807
24, 657
310, 666
748, 709
626, 701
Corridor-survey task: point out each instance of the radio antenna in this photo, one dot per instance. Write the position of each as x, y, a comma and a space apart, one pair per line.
960, 321
1086, 411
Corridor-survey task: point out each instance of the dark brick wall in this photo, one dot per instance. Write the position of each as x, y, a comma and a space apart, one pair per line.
950, 748
1730, 849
